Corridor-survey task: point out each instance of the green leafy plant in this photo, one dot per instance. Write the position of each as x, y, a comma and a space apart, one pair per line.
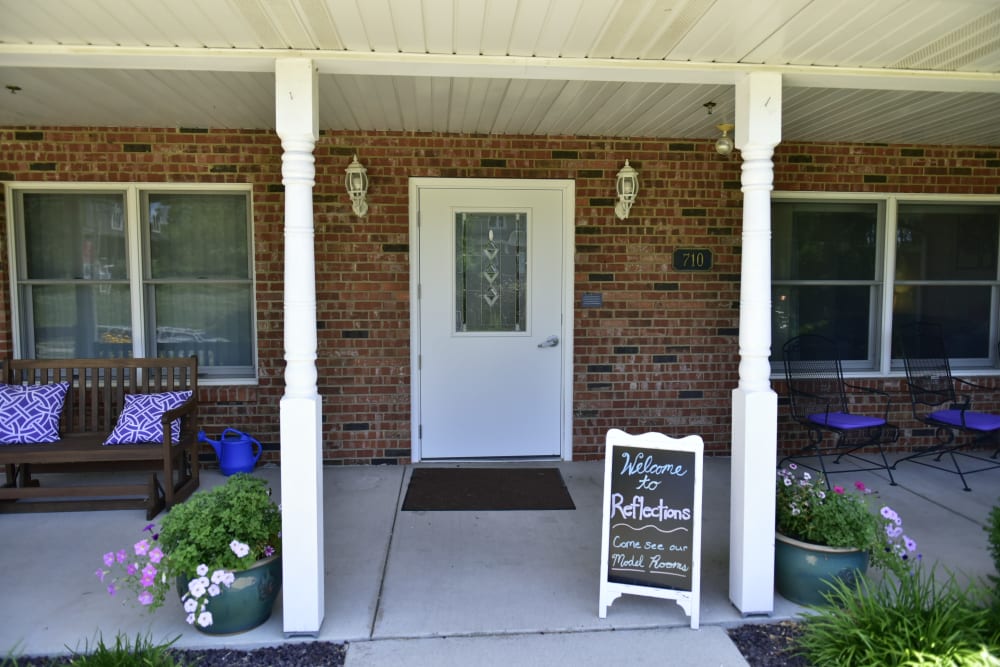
202, 542
993, 530
919, 619
202, 530
807, 511
125, 653
981, 657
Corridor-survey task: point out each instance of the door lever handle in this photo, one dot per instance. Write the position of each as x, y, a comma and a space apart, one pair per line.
551, 341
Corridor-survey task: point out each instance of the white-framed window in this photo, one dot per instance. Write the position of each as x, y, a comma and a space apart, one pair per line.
155, 270
855, 267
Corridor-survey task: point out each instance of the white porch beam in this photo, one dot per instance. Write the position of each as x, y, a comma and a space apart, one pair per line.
491, 67
755, 404
301, 410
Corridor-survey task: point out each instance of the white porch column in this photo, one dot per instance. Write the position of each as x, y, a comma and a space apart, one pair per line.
296, 108
755, 404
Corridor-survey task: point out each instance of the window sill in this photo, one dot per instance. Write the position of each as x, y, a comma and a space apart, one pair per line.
227, 382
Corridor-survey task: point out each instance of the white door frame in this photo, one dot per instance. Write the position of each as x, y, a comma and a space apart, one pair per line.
567, 190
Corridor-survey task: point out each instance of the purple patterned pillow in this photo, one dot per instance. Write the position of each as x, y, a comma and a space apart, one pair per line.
30, 413
140, 420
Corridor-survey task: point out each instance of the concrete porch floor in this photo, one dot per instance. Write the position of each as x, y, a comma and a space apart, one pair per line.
498, 585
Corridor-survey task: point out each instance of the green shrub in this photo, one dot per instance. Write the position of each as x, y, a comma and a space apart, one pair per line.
143, 652
202, 529
913, 620
971, 658
124, 653
993, 529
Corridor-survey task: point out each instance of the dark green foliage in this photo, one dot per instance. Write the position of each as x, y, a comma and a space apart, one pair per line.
914, 620
143, 652
993, 529
200, 530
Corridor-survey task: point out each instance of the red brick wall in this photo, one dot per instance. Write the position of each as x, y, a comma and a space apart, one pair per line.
661, 354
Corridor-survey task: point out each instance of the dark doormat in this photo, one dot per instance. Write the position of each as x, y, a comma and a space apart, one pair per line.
433, 489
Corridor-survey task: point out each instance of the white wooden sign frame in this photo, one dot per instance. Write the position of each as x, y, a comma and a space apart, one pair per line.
618, 441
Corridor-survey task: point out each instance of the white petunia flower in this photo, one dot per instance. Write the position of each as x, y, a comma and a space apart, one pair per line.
239, 548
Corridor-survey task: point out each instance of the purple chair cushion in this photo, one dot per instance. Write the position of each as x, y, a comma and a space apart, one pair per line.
30, 413
845, 421
140, 419
977, 421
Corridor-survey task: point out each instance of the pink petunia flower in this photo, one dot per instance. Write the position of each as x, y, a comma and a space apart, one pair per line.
141, 547
839, 490
145, 598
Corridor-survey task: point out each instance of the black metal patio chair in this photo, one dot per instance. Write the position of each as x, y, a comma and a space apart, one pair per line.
937, 403
818, 398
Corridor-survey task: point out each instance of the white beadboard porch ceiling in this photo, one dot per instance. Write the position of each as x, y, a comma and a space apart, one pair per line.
894, 71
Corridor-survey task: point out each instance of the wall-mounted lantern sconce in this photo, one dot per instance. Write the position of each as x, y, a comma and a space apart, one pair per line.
357, 186
627, 187
724, 144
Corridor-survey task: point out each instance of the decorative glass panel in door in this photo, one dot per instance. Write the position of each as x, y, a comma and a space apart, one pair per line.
491, 268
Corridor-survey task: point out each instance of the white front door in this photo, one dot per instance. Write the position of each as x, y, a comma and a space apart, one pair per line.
493, 318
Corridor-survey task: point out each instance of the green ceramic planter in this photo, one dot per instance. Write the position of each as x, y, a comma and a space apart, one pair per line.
802, 571
248, 602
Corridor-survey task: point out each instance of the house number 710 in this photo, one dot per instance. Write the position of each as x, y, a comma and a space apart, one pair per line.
692, 259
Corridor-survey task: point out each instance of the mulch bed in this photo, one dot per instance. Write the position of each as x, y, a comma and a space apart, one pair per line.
308, 654
769, 644
284, 655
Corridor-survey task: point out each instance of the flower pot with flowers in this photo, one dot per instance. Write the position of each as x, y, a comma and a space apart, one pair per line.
825, 533
221, 548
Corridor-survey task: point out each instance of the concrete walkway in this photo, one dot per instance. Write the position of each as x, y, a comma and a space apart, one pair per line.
455, 588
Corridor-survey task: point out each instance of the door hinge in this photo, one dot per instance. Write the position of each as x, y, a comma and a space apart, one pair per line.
420, 362
420, 432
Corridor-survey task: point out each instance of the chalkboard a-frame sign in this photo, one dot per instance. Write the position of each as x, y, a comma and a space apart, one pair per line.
651, 527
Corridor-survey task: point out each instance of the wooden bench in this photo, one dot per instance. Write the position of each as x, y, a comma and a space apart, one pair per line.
167, 471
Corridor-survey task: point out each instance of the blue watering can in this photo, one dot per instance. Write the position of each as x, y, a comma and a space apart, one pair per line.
235, 451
